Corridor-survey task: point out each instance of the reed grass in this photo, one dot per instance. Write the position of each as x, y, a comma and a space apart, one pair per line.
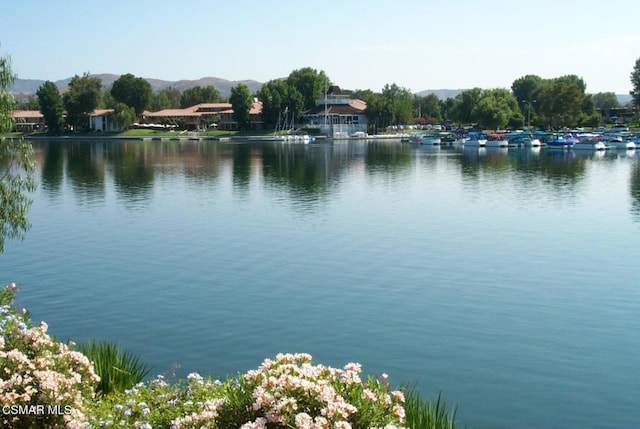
118, 369
426, 414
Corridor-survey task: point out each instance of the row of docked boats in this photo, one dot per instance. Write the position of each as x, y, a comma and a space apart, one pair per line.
570, 140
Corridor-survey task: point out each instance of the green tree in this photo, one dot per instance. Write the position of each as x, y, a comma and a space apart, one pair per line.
310, 83
124, 115
51, 106
31, 103
241, 103
635, 83
428, 107
398, 104
497, 108
446, 108
167, 98
280, 103
16, 165
133, 91
464, 108
81, 99
562, 102
524, 90
605, 100
200, 94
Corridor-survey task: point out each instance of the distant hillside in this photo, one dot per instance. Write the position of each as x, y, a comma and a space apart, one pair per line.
22, 88
25, 87
442, 94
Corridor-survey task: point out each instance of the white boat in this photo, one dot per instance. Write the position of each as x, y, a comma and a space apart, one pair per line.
496, 140
589, 144
524, 140
430, 140
424, 138
619, 143
358, 135
475, 140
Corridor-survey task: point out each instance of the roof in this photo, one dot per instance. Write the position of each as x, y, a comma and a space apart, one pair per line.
202, 109
101, 112
27, 114
355, 107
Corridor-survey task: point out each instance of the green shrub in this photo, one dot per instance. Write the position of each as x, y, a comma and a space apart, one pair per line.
118, 370
425, 414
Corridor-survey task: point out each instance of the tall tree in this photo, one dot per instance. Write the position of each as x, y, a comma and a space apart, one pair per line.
16, 165
281, 103
464, 109
166, 98
635, 84
241, 103
605, 100
133, 91
398, 104
82, 98
562, 102
524, 90
428, 107
498, 108
124, 115
51, 106
200, 94
310, 83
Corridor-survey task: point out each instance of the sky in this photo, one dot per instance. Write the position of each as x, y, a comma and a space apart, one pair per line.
419, 45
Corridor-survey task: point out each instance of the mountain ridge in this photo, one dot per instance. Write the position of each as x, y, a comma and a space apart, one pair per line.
26, 87
22, 88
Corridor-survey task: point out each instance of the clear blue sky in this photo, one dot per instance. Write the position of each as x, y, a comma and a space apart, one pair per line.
428, 44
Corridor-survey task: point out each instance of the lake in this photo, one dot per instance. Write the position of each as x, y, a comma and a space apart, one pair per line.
507, 280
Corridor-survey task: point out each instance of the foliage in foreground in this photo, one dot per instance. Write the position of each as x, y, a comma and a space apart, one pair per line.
425, 414
118, 369
43, 383
46, 384
288, 391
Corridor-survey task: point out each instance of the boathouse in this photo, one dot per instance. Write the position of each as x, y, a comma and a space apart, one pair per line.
337, 115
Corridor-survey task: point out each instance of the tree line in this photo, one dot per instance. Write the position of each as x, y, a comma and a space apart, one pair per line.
530, 102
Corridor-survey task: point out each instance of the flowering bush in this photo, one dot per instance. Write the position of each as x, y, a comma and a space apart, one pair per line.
43, 383
286, 392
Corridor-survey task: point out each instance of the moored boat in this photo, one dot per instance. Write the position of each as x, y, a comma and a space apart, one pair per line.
561, 142
496, 140
475, 140
589, 144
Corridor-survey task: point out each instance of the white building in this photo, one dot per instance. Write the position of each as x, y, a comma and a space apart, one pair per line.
102, 120
337, 115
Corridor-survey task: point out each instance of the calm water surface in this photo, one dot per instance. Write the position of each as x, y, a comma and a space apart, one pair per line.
508, 280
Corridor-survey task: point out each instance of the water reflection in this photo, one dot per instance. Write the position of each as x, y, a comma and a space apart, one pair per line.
634, 188
306, 173
85, 171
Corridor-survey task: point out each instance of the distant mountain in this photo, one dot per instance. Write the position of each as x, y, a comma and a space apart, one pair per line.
22, 88
624, 98
25, 87
442, 94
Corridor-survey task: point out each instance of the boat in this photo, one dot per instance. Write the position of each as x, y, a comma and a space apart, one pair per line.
618, 142
524, 140
358, 135
475, 140
496, 140
431, 139
589, 143
561, 142
424, 138
415, 137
